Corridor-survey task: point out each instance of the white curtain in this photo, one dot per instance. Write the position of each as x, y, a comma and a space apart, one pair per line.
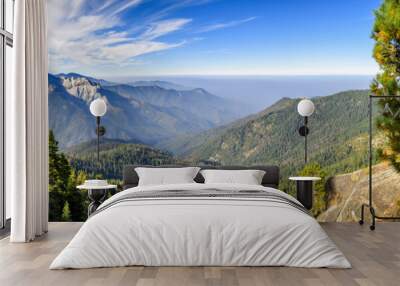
27, 123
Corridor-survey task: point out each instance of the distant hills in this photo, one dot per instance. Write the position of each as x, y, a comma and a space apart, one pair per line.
337, 140
146, 112
158, 123
160, 83
146, 117
114, 154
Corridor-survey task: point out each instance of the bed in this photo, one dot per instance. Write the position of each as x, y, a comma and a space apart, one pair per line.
198, 224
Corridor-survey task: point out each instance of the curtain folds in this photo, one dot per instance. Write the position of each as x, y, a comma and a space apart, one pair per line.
27, 155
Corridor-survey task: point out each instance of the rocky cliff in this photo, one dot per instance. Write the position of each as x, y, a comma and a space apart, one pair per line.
347, 192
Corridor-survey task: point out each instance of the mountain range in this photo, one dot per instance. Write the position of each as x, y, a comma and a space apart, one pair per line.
196, 126
159, 83
157, 122
145, 112
337, 140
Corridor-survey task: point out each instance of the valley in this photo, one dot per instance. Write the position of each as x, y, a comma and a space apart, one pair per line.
114, 155
158, 123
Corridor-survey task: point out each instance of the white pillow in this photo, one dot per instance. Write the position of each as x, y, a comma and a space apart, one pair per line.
248, 177
165, 176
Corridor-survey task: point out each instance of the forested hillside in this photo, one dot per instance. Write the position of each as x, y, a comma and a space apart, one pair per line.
114, 154
337, 140
66, 203
337, 144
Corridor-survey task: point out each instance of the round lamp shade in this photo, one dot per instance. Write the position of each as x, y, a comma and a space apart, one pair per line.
98, 107
305, 107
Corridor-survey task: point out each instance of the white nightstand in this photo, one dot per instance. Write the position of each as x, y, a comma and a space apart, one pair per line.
96, 195
304, 186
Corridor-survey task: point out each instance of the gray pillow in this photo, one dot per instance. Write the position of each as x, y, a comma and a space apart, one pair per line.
248, 177
166, 176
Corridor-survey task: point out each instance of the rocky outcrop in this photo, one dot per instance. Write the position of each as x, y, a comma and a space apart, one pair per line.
81, 87
347, 192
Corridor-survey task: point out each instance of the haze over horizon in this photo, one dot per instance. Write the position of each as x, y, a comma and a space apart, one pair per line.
259, 92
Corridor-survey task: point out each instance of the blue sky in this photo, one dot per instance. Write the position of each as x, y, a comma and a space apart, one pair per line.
111, 38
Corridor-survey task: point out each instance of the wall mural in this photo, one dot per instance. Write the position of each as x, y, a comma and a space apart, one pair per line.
215, 83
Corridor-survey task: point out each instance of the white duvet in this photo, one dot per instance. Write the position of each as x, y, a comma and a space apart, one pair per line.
200, 231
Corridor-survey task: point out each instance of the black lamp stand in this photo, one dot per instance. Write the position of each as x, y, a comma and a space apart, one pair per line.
304, 131
100, 131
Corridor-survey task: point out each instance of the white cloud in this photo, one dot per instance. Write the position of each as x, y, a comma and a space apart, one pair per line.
134, 49
81, 36
126, 5
105, 5
161, 28
230, 24
76, 7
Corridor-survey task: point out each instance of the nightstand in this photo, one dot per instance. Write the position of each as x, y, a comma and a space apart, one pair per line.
96, 194
304, 186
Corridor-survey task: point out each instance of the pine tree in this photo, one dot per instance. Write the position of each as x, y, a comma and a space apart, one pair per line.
63, 195
386, 34
59, 171
77, 198
59, 168
66, 213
